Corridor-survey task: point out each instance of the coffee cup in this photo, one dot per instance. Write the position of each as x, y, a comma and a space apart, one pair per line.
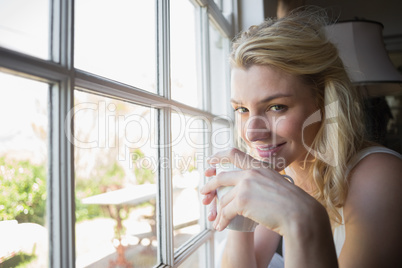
238, 223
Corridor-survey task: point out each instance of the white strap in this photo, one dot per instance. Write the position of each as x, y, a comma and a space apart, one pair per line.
367, 151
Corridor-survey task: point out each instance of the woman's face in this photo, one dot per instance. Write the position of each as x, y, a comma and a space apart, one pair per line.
270, 108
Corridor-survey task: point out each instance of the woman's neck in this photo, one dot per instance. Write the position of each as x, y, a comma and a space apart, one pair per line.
300, 174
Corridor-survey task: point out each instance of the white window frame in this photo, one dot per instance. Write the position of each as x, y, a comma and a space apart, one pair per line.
63, 78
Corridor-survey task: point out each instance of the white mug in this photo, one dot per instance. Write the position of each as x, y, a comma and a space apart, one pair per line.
238, 223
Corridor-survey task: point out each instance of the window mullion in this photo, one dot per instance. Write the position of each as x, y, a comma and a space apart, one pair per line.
206, 81
206, 61
165, 202
229, 109
61, 163
61, 206
206, 89
220, 20
163, 47
62, 32
27, 66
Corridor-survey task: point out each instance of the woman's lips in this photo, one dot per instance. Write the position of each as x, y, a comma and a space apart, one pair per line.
268, 151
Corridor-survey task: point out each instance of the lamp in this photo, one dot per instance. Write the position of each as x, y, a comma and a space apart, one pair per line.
363, 53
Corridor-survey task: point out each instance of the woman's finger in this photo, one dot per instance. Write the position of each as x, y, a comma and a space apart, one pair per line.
212, 210
209, 197
225, 215
227, 197
223, 179
211, 171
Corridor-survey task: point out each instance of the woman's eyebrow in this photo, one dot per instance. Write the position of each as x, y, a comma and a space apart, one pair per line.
267, 99
276, 96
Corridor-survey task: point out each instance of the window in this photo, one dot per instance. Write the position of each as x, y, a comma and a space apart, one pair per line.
109, 110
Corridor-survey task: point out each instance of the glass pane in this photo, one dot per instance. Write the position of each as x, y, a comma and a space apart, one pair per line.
24, 26
187, 160
197, 260
222, 136
23, 172
116, 175
116, 39
218, 69
183, 45
220, 239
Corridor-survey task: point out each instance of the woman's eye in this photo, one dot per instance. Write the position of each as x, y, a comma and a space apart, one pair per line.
241, 110
277, 107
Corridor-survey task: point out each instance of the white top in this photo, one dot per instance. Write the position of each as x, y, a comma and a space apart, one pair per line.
339, 234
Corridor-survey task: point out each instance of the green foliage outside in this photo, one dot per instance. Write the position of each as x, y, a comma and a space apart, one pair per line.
20, 260
22, 191
23, 188
22, 198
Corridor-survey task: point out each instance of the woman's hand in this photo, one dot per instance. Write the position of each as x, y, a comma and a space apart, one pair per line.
260, 193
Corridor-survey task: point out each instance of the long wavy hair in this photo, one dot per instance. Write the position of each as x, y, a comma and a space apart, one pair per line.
298, 45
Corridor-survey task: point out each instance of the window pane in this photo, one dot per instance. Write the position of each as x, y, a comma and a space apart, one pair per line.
115, 169
24, 26
220, 239
218, 69
183, 45
222, 135
116, 39
197, 260
187, 159
23, 172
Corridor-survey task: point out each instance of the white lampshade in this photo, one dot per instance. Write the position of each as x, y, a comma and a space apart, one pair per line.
363, 53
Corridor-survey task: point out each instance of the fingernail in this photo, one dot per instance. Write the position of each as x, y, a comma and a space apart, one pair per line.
211, 213
218, 228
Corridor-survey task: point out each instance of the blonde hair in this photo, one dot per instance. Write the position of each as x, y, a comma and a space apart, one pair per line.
297, 44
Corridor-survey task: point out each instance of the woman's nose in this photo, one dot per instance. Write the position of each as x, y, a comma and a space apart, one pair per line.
257, 128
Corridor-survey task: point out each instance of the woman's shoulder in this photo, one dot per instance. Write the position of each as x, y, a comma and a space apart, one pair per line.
377, 164
372, 210
375, 180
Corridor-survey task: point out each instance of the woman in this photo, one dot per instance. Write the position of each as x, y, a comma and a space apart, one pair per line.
296, 109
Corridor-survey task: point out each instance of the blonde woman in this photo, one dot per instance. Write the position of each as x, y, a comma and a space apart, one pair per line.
296, 110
